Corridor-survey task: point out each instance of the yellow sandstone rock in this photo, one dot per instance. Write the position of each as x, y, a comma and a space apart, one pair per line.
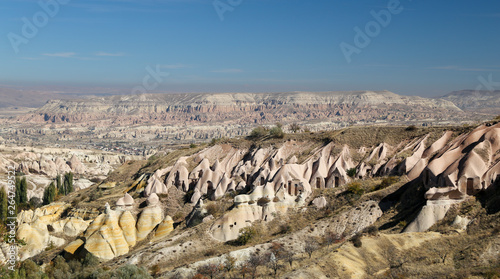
73, 246
127, 223
149, 219
165, 227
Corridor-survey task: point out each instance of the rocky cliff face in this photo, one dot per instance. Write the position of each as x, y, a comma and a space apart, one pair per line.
152, 119
475, 100
242, 108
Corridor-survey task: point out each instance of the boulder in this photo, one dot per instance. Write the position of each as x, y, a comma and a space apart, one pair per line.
105, 238
73, 246
127, 223
150, 217
165, 227
76, 165
320, 202
152, 200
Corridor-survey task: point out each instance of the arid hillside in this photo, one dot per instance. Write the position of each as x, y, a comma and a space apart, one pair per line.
379, 202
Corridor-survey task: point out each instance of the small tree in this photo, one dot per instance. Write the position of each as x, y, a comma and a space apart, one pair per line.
3, 204
245, 269
59, 185
258, 132
277, 132
253, 263
277, 249
311, 246
49, 194
331, 237
30, 269
294, 127
210, 270
68, 179
230, 263
289, 257
21, 190
246, 234
351, 172
274, 264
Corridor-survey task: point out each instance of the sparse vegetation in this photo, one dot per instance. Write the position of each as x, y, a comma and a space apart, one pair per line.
294, 127
356, 240
311, 246
411, 128
3, 204
246, 234
258, 132
262, 132
403, 201
351, 172
21, 190
386, 182
263, 201
49, 194
277, 132
355, 188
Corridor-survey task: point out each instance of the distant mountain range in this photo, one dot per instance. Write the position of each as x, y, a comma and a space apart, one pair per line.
479, 101
244, 108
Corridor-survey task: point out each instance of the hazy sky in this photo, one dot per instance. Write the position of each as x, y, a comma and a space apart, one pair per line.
425, 48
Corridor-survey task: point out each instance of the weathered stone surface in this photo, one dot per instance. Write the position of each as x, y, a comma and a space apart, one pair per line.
320, 202
165, 227
73, 246
152, 199
150, 217
126, 200
127, 223
76, 165
37, 238
106, 239
70, 226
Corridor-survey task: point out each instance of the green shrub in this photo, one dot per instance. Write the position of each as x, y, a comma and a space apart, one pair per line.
21, 190
263, 201
130, 272
386, 182
246, 234
371, 230
68, 183
3, 204
30, 270
402, 224
411, 128
355, 189
351, 172
258, 132
49, 194
212, 209
277, 132
356, 241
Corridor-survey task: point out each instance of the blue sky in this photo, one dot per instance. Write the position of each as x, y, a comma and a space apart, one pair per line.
428, 48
